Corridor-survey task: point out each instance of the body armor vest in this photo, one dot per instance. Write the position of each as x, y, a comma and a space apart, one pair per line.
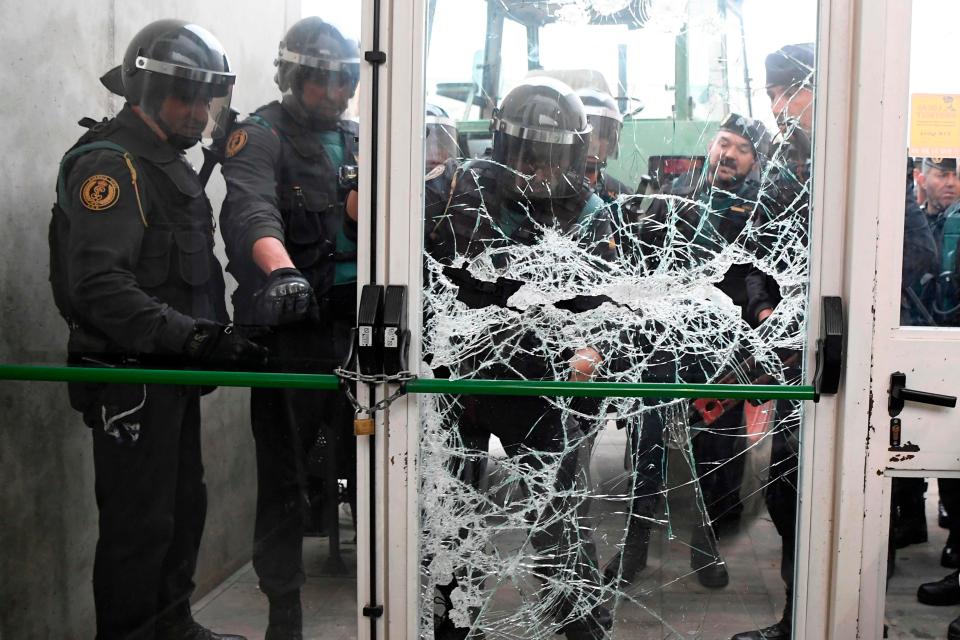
310, 198
176, 264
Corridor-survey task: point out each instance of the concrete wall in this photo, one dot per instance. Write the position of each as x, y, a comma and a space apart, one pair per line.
51, 54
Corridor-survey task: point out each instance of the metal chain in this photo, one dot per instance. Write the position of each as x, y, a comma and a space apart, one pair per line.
353, 376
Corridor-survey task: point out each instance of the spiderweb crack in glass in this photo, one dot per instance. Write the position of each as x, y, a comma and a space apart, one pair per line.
512, 545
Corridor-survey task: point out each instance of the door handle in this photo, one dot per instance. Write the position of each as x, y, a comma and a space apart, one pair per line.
899, 394
826, 379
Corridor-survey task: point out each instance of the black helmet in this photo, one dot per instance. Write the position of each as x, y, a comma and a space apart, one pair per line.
749, 129
440, 137
606, 120
540, 130
316, 51
180, 60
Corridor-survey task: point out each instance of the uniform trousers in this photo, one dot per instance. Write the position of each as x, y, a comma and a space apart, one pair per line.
152, 502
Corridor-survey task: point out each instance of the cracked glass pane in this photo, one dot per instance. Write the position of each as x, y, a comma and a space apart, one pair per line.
616, 190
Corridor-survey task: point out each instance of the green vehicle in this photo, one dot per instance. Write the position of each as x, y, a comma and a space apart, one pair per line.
674, 72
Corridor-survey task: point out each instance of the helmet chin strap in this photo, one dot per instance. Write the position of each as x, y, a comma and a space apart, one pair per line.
181, 142
163, 132
294, 105
177, 140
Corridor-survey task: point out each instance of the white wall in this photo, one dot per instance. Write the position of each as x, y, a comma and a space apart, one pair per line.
51, 56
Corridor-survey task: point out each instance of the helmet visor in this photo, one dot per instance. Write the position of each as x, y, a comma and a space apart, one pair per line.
543, 169
440, 141
328, 79
187, 107
605, 139
327, 71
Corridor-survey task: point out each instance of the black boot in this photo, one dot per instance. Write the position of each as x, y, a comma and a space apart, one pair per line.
950, 558
706, 561
943, 518
192, 630
590, 627
941, 593
446, 630
780, 631
286, 618
910, 531
908, 512
953, 631
623, 568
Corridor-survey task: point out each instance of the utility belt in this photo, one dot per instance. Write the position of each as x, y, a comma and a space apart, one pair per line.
87, 347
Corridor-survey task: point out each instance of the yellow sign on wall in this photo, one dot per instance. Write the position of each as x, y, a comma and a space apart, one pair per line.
935, 125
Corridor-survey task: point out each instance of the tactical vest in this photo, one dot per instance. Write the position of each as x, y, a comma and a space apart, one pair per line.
309, 194
176, 263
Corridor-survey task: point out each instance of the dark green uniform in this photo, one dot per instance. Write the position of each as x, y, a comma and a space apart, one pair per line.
281, 174
706, 219
475, 218
132, 270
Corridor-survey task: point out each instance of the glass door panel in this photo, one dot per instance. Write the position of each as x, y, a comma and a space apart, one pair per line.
924, 546
614, 191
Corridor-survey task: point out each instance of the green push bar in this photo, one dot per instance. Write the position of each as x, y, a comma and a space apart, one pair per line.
169, 376
326, 382
609, 389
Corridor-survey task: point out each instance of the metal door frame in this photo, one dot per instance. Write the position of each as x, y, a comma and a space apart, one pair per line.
825, 604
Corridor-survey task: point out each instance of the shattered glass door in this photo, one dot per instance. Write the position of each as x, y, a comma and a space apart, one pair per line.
617, 191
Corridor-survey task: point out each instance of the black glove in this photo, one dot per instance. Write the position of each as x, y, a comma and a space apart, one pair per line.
286, 297
218, 345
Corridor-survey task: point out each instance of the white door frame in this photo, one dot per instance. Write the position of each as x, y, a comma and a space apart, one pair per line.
880, 141
828, 560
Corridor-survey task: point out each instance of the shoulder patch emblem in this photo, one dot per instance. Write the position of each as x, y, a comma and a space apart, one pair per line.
236, 142
436, 171
99, 192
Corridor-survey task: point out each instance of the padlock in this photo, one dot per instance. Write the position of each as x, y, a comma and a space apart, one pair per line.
363, 426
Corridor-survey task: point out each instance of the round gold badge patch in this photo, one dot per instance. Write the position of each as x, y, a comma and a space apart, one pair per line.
238, 139
99, 192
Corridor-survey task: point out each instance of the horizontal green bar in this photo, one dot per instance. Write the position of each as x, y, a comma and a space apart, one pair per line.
420, 385
170, 376
609, 389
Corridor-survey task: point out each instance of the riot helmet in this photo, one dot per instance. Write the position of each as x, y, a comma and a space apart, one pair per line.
751, 130
540, 132
606, 120
177, 73
440, 137
318, 68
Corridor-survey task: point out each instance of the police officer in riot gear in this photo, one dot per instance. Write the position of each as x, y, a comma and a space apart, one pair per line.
441, 141
441, 163
790, 87
134, 274
934, 299
283, 223
533, 181
938, 179
607, 122
710, 212
939, 296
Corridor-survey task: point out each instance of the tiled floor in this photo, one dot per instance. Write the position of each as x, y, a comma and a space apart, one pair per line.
329, 602
666, 602
905, 617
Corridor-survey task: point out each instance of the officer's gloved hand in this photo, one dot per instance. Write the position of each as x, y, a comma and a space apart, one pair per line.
219, 346
285, 298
